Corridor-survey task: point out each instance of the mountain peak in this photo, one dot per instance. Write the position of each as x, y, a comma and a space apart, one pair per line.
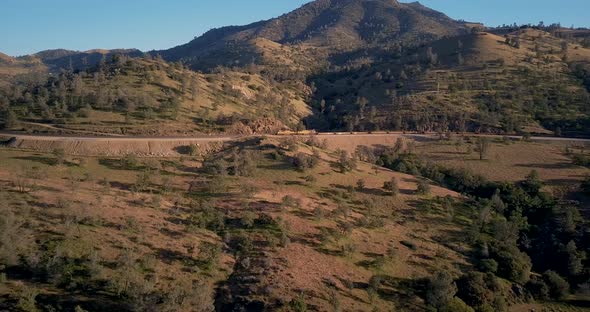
337, 25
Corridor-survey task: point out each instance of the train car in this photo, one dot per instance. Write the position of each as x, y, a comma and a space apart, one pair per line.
302, 132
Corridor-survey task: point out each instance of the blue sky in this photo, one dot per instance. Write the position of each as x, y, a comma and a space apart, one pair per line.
28, 26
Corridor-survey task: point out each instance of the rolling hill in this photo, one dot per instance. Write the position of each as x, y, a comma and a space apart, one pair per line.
368, 65
146, 96
527, 80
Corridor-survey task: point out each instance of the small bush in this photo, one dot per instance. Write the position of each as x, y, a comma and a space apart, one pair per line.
193, 150
284, 240
310, 179
303, 162
345, 162
391, 187
348, 249
60, 156
538, 288
298, 304
248, 219
424, 187
440, 290
456, 305
129, 162
360, 185
319, 213
241, 243
488, 266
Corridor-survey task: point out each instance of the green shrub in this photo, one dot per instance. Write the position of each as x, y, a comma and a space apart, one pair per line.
129, 162
298, 304
345, 162
60, 156
558, 287
488, 266
193, 150
456, 305
581, 160
538, 288
391, 186
241, 243
303, 162
440, 290
513, 264
360, 185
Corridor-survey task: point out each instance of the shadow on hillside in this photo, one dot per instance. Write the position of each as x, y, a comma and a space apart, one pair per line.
548, 166
103, 303
49, 161
117, 164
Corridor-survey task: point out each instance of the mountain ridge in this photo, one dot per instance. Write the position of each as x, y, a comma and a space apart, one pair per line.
336, 25
349, 58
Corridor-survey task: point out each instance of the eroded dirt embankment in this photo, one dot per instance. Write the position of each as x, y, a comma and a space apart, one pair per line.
168, 147
147, 147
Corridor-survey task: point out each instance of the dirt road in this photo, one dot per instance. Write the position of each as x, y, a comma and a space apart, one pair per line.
174, 146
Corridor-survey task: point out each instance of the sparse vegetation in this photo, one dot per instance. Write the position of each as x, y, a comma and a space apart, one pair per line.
285, 222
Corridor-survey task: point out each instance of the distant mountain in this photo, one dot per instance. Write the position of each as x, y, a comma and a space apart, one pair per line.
62, 59
334, 25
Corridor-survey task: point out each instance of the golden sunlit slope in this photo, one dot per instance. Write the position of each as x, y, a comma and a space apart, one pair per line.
137, 229
149, 96
12, 68
478, 82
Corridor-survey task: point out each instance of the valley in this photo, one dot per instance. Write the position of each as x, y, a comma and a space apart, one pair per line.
349, 155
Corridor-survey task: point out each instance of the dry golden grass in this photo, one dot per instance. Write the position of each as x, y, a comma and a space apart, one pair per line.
509, 162
305, 265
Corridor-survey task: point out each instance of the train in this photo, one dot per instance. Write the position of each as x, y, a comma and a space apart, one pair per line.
302, 132
315, 132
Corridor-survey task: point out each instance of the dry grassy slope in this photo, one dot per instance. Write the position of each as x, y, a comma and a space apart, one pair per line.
487, 48
478, 49
6, 59
217, 94
11, 68
121, 223
482, 54
511, 161
311, 265
304, 266
294, 57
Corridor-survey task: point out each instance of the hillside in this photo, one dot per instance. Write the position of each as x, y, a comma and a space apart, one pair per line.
338, 65
5, 59
291, 238
287, 225
18, 69
476, 82
145, 96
